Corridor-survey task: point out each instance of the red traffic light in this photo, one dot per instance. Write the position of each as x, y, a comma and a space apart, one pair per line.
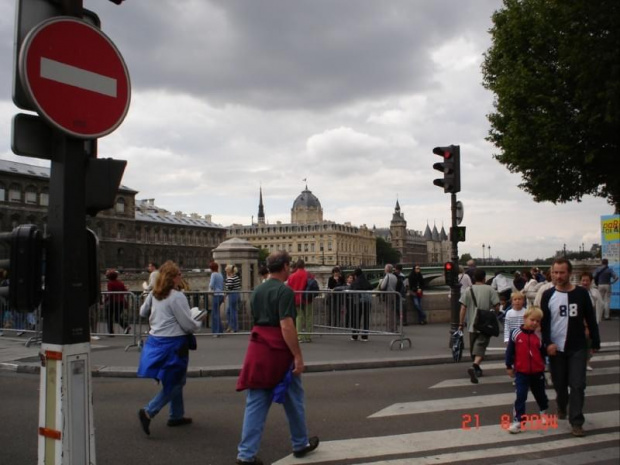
448, 266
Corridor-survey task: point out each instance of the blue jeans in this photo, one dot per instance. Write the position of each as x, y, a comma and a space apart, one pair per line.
231, 311
417, 304
257, 405
216, 321
175, 397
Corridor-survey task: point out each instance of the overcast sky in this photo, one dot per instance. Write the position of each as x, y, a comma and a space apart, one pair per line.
352, 95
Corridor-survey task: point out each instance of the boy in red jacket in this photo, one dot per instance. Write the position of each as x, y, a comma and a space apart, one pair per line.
525, 361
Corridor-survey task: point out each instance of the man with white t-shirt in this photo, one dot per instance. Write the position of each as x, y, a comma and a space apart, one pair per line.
566, 308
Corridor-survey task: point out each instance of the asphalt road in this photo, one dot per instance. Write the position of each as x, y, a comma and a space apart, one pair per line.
339, 405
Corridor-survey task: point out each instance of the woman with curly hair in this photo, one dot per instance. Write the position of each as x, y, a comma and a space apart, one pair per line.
165, 355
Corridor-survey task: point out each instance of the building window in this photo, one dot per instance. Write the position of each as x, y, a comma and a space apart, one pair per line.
15, 193
44, 198
31, 195
120, 205
2, 193
298, 247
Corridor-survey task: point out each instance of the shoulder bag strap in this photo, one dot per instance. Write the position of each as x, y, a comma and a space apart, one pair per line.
473, 296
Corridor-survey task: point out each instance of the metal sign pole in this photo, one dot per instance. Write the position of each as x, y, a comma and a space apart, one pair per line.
455, 287
66, 430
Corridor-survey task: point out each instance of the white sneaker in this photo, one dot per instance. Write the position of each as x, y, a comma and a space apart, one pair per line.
515, 427
589, 367
543, 417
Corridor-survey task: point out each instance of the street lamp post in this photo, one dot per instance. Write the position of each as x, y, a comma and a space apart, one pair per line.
483, 246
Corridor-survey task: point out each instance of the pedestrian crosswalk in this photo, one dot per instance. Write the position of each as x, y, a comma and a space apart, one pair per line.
503, 378
484, 441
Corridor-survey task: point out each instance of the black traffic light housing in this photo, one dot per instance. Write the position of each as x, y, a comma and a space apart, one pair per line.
25, 267
451, 273
451, 168
103, 178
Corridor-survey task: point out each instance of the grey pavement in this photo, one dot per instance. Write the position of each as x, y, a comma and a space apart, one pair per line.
223, 356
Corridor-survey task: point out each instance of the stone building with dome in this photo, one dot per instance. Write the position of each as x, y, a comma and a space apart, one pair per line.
310, 237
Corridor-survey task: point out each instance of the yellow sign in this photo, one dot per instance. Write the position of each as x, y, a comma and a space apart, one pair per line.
610, 227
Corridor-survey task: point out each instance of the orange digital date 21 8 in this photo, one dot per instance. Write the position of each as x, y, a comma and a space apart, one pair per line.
528, 422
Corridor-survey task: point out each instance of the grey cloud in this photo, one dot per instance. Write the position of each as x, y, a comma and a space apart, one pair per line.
284, 54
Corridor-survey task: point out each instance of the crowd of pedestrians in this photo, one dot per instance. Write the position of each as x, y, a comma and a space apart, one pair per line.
549, 324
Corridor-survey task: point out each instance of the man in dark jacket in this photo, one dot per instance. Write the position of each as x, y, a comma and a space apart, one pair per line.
361, 304
565, 308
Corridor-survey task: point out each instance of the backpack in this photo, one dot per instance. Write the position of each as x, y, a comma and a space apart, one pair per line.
311, 285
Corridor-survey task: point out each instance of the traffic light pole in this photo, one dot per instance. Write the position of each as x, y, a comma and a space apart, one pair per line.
455, 288
66, 429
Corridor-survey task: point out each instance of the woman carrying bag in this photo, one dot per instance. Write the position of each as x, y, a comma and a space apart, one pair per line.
165, 355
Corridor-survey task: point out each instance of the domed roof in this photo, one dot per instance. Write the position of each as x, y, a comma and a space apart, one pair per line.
306, 200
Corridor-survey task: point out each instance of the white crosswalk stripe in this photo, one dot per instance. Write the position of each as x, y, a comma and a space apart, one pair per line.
512, 451
429, 441
461, 403
597, 358
481, 442
504, 379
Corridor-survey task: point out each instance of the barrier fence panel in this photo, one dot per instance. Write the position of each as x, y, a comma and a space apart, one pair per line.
355, 314
20, 323
116, 314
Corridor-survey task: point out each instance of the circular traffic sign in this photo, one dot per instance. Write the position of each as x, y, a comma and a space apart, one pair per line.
75, 76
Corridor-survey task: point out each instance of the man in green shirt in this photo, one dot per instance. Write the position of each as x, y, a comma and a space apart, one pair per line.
486, 298
273, 351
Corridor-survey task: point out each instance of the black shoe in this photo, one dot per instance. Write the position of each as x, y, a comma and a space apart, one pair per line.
313, 444
472, 375
179, 422
145, 421
254, 461
478, 370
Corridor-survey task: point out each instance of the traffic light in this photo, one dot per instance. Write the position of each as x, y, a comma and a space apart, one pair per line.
103, 178
451, 273
25, 267
457, 234
451, 168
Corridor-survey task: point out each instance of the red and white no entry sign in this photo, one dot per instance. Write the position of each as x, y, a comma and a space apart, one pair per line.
75, 77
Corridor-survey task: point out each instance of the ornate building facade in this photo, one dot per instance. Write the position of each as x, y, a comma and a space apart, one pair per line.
309, 237
413, 246
132, 234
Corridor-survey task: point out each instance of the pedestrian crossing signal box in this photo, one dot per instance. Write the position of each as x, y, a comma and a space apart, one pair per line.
25, 267
457, 234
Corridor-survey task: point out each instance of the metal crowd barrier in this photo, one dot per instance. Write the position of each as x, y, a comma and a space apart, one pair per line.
356, 314
20, 323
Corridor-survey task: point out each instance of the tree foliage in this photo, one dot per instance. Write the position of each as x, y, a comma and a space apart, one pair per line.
554, 69
386, 253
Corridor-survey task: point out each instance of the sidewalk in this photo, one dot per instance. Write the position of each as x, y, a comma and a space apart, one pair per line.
223, 356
